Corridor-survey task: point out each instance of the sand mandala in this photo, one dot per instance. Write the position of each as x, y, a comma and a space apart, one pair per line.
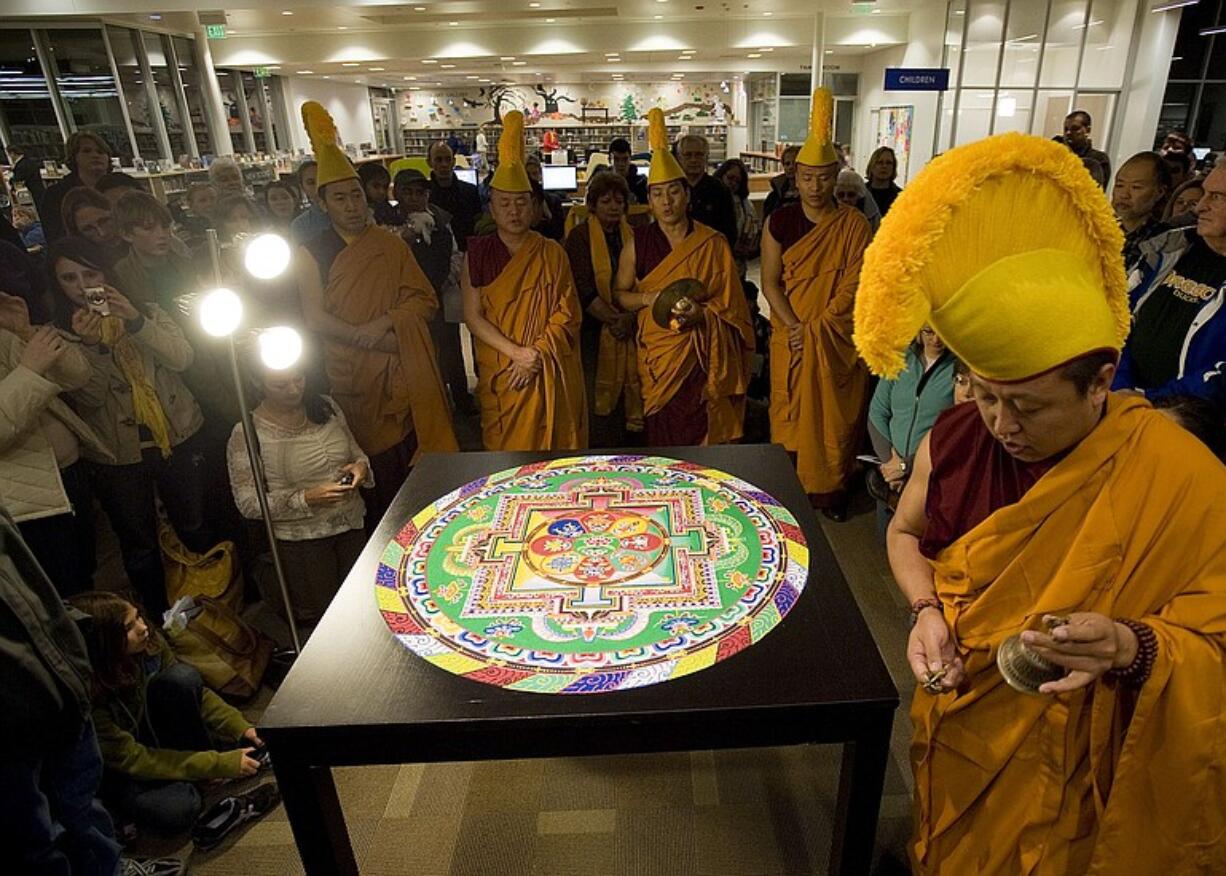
592, 573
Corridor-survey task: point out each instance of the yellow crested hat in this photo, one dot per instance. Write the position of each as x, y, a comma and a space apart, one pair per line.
1009, 249
333, 163
664, 166
511, 176
819, 150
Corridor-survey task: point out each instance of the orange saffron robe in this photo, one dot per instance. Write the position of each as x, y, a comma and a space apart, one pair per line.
385, 396
533, 303
1104, 780
819, 394
722, 345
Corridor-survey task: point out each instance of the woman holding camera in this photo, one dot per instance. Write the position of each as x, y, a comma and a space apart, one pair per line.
313, 468
136, 403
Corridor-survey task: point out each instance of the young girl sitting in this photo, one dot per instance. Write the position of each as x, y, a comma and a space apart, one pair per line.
160, 729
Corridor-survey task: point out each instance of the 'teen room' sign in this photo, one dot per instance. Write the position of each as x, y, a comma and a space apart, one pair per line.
916, 78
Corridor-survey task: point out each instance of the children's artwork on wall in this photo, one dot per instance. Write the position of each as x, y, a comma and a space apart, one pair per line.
893, 124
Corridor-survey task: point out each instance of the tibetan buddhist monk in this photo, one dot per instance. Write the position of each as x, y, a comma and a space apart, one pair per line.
694, 370
365, 296
1061, 546
811, 256
521, 307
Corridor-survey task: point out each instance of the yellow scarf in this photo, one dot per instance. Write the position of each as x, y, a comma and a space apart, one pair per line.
617, 369
146, 405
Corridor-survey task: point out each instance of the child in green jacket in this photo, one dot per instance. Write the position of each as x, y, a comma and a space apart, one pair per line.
160, 728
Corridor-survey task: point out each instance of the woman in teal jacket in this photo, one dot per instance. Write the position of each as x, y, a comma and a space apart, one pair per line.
904, 409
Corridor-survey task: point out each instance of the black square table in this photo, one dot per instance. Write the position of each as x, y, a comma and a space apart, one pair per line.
356, 696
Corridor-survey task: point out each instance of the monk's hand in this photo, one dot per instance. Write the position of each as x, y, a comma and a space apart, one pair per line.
527, 359
1089, 645
367, 336
622, 326
931, 654
796, 336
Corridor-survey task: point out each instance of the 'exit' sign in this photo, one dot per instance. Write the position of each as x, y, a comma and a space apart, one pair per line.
261, 72
215, 31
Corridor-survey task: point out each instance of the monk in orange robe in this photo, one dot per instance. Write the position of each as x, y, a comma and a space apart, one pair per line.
364, 294
521, 306
1048, 520
694, 371
811, 255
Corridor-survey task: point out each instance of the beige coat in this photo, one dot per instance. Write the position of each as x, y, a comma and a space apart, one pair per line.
30, 483
105, 402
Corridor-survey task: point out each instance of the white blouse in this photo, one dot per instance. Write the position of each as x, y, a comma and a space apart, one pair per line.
294, 461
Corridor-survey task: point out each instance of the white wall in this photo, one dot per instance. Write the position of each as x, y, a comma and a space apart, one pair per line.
1143, 91
922, 50
348, 104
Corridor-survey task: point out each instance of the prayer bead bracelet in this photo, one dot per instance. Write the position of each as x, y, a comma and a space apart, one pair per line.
920, 604
1135, 674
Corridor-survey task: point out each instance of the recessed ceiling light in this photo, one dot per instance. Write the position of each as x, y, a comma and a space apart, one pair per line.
550, 20
754, 55
678, 75
657, 17
410, 79
428, 61
507, 58
155, 17
534, 6
685, 58
829, 51
768, 14
306, 72
613, 60
350, 64
327, 77
287, 12
518, 63
447, 66
472, 77
274, 66
767, 49
483, 80
376, 69
414, 88
419, 9
453, 24
876, 12
343, 27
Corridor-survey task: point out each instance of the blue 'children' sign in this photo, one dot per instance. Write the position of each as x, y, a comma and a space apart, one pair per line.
917, 79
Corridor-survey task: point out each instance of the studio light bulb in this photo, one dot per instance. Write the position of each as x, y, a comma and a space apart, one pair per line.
280, 347
267, 256
220, 312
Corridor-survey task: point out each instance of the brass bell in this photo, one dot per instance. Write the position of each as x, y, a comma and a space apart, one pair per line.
1023, 669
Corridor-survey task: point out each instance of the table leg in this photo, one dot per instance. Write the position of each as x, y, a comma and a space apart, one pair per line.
315, 815
861, 781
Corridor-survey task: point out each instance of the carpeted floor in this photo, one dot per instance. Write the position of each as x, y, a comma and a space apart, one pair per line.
723, 813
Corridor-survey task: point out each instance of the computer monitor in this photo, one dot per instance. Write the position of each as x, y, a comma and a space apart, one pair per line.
559, 179
466, 174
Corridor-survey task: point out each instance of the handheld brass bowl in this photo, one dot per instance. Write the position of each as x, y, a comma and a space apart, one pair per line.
663, 309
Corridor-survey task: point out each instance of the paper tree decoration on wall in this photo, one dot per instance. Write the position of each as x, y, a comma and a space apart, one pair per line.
497, 97
551, 99
629, 111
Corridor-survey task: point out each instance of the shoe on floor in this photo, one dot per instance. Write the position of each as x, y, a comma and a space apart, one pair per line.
229, 813
151, 867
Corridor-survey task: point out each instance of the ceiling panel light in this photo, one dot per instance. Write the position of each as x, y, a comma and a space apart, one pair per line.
754, 55
453, 24
287, 12
518, 63
419, 9
447, 66
768, 14
550, 20
429, 61
350, 64
507, 58
613, 60
410, 79
306, 72
657, 17
534, 6
414, 88
376, 69
483, 80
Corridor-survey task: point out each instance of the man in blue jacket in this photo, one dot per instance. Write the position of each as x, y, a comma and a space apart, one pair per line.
1178, 298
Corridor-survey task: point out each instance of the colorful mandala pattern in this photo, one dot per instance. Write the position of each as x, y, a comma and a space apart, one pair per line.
592, 573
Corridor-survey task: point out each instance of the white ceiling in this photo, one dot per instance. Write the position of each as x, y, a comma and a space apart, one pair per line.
517, 40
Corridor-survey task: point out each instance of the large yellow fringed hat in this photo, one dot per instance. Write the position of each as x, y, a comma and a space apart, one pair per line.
664, 167
819, 150
1009, 249
333, 163
511, 176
